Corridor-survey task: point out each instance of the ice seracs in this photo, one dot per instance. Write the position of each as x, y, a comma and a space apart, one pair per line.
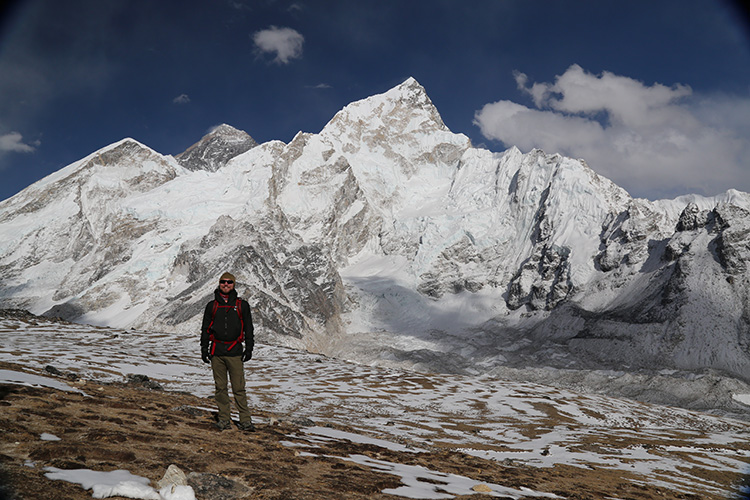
385, 237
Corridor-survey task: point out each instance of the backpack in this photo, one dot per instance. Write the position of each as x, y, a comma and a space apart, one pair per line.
238, 308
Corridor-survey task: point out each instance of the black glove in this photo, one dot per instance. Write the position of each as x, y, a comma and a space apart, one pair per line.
205, 356
247, 355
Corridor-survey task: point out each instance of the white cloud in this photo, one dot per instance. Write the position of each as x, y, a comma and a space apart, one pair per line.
13, 142
319, 86
656, 141
181, 99
238, 5
286, 43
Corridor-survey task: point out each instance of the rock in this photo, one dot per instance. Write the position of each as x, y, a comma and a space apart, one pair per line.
481, 488
215, 487
692, 218
303, 422
173, 476
143, 381
733, 240
16, 314
54, 371
543, 281
190, 410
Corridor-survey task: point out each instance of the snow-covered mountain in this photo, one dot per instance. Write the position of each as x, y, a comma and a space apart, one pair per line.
387, 238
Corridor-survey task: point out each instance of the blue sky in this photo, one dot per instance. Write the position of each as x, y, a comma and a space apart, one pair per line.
654, 94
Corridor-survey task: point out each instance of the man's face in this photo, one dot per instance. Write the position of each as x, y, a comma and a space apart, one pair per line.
226, 286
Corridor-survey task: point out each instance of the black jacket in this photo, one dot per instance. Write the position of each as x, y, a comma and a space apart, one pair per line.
221, 328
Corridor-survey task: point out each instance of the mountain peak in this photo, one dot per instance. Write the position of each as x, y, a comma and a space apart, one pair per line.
404, 109
413, 94
215, 149
228, 131
411, 86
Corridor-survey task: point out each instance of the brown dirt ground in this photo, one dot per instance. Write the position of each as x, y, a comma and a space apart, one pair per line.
120, 426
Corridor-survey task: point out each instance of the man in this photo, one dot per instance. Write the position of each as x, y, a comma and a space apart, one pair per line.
227, 322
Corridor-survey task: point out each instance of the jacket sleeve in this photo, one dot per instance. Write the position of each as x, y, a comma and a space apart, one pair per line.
204, 326
247, 319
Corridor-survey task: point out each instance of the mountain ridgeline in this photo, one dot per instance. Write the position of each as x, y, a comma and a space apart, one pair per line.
385, 237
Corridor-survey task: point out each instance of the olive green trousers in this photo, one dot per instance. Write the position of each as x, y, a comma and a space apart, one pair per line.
232, 366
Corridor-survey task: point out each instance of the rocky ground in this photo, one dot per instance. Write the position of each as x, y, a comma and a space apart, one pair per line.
136, 426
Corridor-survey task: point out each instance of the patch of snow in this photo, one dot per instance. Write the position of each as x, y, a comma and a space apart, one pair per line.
119, 483
358, 438
422, 483
32, 380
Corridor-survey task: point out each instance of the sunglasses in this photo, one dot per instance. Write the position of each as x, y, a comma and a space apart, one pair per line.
229, 282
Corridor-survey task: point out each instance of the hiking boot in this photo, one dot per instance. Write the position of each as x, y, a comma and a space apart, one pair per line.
223, 425
246, 426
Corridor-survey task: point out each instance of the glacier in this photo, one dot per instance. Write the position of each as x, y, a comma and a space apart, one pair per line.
388, 239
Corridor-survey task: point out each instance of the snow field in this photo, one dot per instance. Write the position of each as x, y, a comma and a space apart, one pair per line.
490, 418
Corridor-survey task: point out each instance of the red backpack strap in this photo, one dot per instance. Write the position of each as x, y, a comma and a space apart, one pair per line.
213, 313
242, 322
211, 335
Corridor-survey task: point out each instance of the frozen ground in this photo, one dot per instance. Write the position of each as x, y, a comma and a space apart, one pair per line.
522, 423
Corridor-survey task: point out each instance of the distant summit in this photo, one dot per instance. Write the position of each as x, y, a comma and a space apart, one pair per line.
216, 148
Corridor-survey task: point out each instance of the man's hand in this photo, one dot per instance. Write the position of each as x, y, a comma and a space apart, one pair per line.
247, 355
205, 356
